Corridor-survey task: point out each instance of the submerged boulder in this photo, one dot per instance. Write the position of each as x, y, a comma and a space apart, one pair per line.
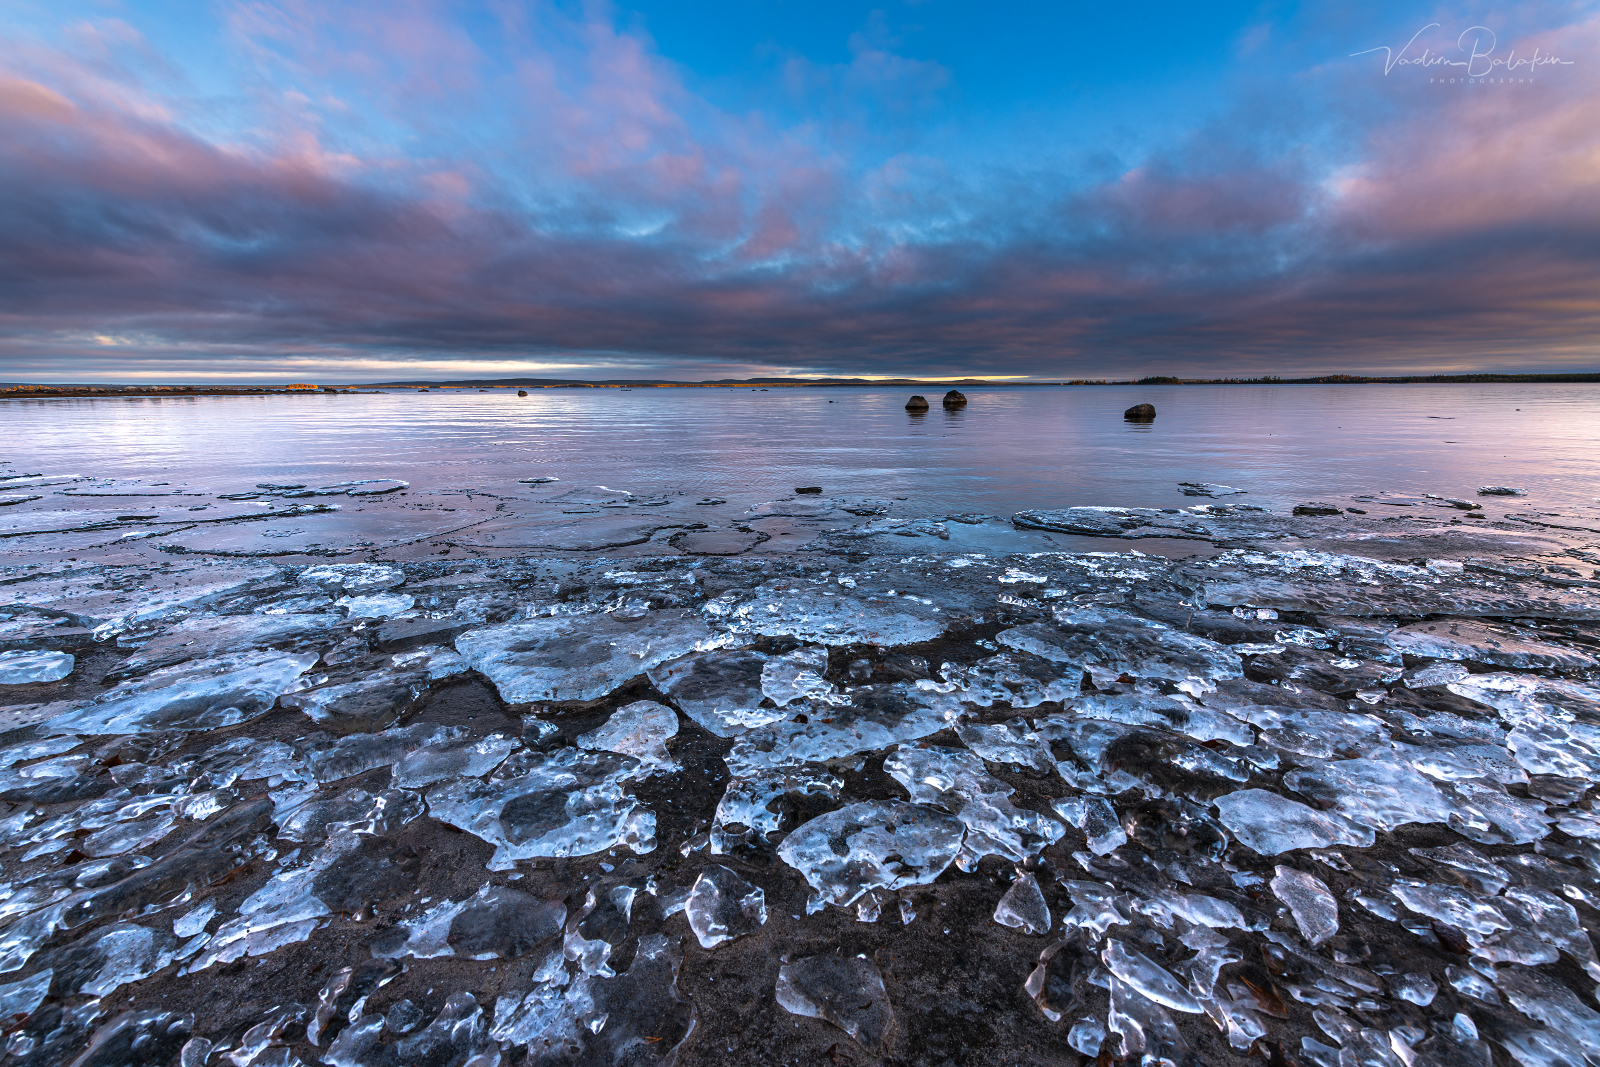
917, 403
954, 399
1140, 413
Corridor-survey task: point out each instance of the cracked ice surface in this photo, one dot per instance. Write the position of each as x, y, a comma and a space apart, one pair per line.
1264, 806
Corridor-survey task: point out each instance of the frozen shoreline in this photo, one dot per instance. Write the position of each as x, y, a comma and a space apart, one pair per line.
887, 797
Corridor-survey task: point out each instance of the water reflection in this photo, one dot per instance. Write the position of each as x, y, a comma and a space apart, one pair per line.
1003, 452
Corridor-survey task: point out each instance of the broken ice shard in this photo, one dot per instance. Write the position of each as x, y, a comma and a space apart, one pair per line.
29, 668
959, 783
883, 844
204, 695
640, 730
1272, 824
723, 906
848, 993
579, 657
721, 691
1315, 910
566, 803
1023, 907
825, 616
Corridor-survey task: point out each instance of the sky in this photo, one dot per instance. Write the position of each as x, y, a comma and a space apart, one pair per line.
370, 190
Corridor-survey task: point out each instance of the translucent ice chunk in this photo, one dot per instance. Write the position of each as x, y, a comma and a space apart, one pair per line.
1123, 644
1318, 733
458, 1035
746, 803
959, 783
848, 993
1315, 910
1096, 818
881, 844
1087, 1036
1540, 997
1141, 1023
1178, 715
18, 999
1013, 678
723, 906
877, 717
1518, 696
195, 919
112, 957
579, 657
1474, 641
1544, 745
1419, 989
1148, 978
1011, 742
567, 803
1450, 763
722, 691
797, 675
826, 616
27, 668
375, 606
497, 922
1452, 905
1553, 921
640, 730
1486, 813
462, 758
1023, 907
331, 759
1381, 794
204, 695
354, 579
209, 638
1272, 824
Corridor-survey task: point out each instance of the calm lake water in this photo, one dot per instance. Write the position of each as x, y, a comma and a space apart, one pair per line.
1011, 448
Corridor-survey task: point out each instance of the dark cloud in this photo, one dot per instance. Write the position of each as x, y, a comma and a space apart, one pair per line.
629, 227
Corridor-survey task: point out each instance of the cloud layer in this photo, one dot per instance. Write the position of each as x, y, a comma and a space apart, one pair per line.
364, 191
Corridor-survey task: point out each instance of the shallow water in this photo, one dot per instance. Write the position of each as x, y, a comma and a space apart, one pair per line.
1011, 448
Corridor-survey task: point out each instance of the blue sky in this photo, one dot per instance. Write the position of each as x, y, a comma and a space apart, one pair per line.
362, 190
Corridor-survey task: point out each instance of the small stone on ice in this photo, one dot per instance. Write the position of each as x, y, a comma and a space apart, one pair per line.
723, 906
1315, 910
1023, 907
640, 730
848, 993
27, 668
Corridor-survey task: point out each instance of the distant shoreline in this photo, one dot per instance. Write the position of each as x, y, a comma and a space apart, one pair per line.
23, 391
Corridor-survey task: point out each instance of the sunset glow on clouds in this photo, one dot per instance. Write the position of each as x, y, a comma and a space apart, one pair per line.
367, 191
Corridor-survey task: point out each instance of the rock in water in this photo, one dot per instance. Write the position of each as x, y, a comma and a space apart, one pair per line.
1498, 490
1315, 910
954, 399
1140, 413
522, 392
1316, 507
917, 403
810, 490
